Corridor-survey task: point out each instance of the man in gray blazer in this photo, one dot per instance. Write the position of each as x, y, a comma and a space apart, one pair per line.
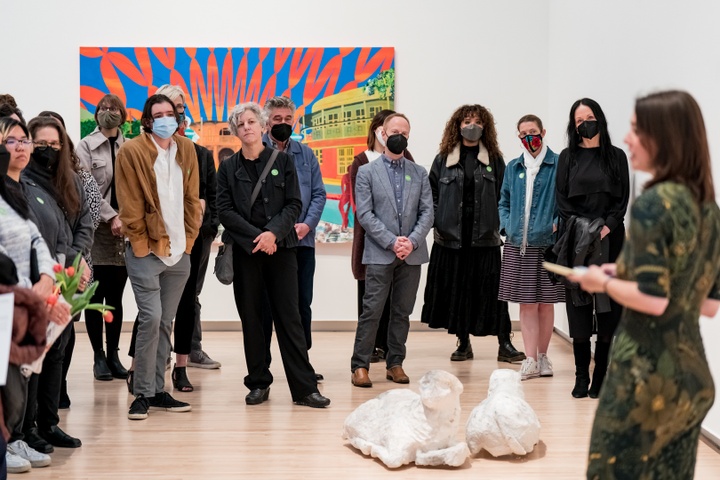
395, 207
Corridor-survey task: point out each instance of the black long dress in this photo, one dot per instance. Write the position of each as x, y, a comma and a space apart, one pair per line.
461, 294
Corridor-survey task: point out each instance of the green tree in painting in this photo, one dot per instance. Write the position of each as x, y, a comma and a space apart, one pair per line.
384, 83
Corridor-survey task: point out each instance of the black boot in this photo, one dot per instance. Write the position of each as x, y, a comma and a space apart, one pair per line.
601, 362
506, 351
100, 368
581, 352
113, 363
463, 352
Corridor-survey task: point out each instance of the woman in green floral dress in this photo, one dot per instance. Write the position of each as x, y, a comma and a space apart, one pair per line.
659, 386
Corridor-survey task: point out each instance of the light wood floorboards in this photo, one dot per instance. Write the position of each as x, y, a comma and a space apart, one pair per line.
223, 438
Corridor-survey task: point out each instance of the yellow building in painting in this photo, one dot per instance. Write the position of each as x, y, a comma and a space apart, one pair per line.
217, 137
337, 129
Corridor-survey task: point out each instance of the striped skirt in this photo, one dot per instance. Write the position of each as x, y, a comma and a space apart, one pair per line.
523, 280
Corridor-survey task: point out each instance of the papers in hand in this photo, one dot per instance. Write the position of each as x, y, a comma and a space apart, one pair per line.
562, 270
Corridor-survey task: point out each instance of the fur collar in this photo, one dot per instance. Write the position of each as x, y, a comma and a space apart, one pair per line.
454, 157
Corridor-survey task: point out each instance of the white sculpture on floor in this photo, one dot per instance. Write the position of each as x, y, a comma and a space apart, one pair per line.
399, 426
504, 422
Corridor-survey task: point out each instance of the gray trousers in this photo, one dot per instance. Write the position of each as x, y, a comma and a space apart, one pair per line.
403, 280
157, 290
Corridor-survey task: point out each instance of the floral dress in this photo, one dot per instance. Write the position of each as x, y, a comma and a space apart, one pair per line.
659, 388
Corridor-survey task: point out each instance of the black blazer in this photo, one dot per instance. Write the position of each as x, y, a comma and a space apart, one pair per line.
208, 189
280, 194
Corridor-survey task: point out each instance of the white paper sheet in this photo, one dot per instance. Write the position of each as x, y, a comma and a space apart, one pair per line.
7, 305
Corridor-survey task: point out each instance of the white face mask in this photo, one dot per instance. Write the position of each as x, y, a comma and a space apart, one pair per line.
378, 135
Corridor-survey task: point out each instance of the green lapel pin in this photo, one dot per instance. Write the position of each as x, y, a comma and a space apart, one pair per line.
407, 178
488, 168
274, 172
40, 200
522, 175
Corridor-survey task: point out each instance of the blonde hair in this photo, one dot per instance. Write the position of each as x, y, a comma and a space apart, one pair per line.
171, 91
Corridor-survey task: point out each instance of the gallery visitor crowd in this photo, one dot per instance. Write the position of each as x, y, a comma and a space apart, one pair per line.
147, 209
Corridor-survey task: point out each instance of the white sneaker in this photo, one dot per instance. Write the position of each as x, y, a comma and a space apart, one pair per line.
23, 450
16, 464
545, 365
529, 369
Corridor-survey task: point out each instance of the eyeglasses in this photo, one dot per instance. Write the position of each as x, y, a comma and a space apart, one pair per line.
43, 145
109, 109
14, 142
181, 108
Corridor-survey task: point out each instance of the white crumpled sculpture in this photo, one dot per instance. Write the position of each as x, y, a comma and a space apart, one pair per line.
504, 422
399, 426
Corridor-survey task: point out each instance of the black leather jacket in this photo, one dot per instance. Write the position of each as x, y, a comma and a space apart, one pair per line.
580, 245
446, 182
208, 187
280, 194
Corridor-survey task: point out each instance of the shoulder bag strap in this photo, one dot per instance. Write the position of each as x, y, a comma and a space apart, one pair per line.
263, 175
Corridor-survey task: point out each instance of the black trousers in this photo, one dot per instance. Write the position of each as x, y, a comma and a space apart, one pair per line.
112, 280
277, 274
44, 388
188, 330
306, 275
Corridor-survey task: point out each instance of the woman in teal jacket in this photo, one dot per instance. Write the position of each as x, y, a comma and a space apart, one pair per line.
528, 219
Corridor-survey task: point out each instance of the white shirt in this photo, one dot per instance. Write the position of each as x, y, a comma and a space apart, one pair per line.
532, 165
169, 181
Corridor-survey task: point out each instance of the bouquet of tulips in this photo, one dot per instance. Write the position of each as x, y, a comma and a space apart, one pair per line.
68, 281
68, 284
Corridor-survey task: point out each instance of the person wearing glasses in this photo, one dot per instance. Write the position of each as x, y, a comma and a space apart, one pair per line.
58, 201
19, 237
97, 153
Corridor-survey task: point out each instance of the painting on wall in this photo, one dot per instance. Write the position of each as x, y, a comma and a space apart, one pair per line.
337, 92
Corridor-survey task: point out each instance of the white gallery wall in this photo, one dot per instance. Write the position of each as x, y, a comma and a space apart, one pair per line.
516, 57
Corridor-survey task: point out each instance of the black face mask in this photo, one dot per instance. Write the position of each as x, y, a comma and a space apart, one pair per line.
588, 129
396, 143
281, 131
4, 160
45, 157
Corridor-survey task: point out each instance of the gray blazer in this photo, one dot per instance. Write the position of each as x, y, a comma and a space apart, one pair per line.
377, 212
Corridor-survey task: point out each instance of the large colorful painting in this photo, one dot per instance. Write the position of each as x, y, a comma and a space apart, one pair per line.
337, 92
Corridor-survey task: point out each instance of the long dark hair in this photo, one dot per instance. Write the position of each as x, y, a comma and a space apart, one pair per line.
377, 122
452, 138
670, 126
11, 194
65, 178
609, 164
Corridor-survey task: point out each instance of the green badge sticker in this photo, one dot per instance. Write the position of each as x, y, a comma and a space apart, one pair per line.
488, 168
274, 172
40, 200
407, 178
522, 175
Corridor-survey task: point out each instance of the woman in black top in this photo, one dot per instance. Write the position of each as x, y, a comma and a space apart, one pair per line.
593, 183
264, 258
464, 273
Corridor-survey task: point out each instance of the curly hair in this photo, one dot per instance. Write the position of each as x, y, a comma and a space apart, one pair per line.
452, 138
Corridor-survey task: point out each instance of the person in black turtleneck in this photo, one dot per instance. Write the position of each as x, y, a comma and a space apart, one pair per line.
592, 182
464, 273
96, 153
57, 199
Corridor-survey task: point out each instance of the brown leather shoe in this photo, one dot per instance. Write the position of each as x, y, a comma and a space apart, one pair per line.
397, 375
360, 378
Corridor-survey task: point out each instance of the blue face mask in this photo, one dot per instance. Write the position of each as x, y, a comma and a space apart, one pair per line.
164, 127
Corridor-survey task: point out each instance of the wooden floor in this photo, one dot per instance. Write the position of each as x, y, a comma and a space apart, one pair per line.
223, 438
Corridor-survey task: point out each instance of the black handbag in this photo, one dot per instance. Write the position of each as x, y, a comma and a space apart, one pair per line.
224, 260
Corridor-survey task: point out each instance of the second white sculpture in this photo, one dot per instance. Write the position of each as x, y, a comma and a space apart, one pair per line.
504, 423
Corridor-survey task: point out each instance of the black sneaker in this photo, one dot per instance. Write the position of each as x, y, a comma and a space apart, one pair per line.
164, 401
139, 408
